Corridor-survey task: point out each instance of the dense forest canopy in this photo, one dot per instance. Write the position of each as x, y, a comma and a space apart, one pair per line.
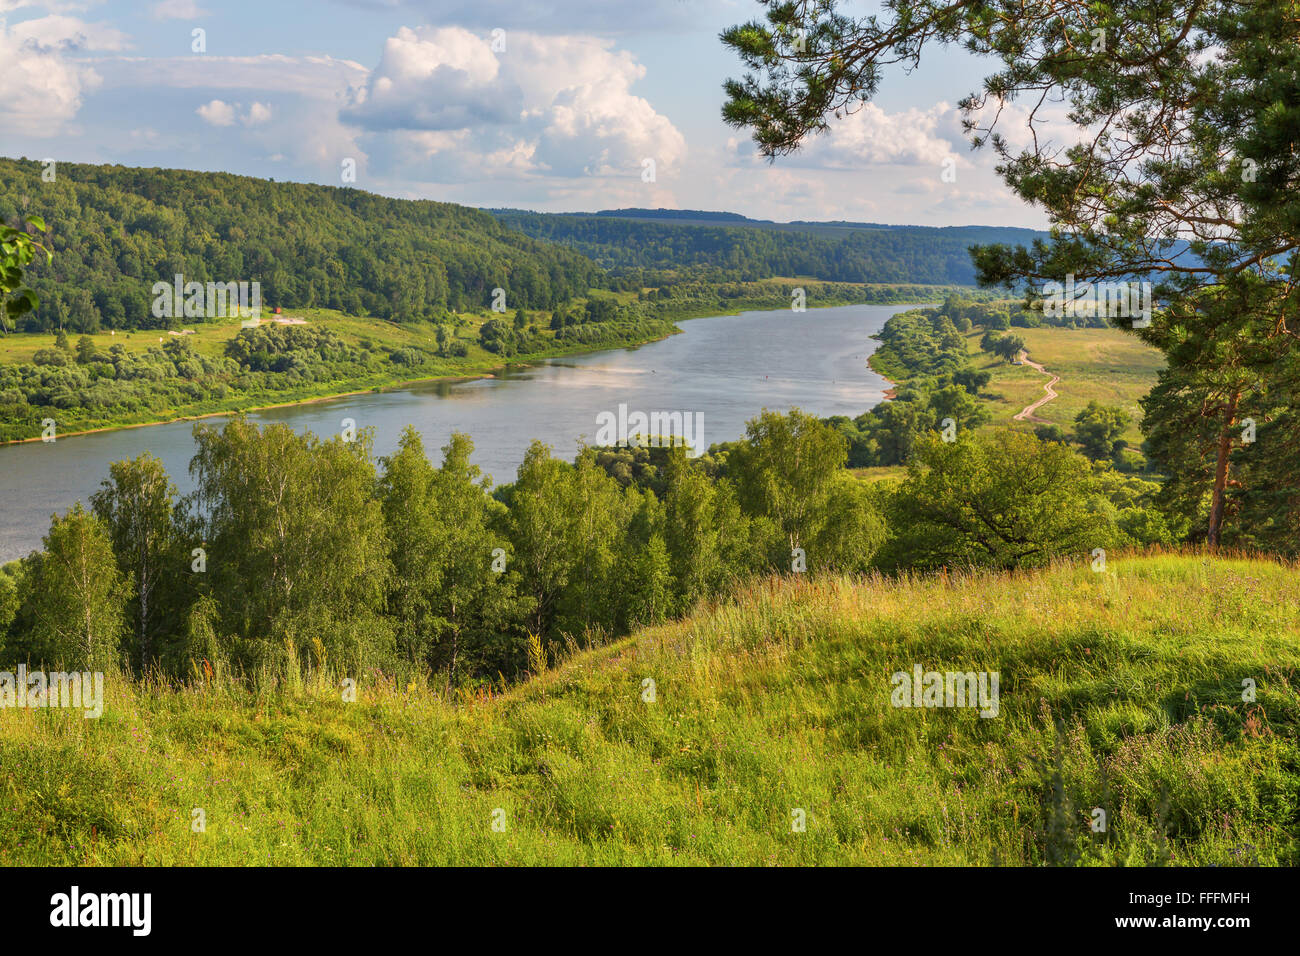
115, 231
751, 249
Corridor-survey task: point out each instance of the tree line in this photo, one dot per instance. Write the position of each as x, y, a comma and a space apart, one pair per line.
750, 251
923, 351
295, 551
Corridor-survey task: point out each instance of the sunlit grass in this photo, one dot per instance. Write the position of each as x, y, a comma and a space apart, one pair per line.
1124, 687
1103, 365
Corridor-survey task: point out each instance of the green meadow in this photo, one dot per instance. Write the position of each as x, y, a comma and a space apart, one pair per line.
1103, 365
1120, 690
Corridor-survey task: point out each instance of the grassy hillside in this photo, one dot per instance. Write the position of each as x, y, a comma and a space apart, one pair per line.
1120, 690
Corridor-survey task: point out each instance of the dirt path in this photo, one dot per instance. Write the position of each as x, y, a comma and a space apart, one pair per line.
1027, 414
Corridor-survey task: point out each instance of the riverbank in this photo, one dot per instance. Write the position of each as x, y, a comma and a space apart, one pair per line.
727, 369
475, 366
386, 386
1100, 364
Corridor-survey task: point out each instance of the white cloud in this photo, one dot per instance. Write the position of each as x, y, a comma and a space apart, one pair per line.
545, 105
257, 114
177, 10
58, 33
580, 91
870, 136
221, 113
40, 88
217, 113
436, 80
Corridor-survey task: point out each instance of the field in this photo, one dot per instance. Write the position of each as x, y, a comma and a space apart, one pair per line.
880, 473
1121, 691
210, 338
1105, 365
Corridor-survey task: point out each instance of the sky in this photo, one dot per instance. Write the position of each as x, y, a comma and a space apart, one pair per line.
553, 105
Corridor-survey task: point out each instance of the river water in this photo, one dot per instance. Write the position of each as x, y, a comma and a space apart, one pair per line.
727, 368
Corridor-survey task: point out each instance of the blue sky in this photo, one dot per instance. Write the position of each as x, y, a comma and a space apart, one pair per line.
543, 104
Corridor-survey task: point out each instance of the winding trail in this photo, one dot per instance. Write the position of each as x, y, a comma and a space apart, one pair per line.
1027, 413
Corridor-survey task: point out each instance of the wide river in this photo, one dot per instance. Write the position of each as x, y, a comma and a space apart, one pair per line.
728, 368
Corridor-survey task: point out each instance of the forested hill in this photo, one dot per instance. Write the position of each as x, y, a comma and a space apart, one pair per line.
117, 230
658, 239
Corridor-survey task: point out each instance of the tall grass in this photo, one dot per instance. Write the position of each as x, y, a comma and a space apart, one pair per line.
1120, 691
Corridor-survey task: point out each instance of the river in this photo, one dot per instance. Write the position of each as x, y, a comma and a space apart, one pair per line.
727, 368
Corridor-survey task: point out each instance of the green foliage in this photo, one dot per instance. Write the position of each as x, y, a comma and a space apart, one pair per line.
705, 532
9, 599
785, 471
591, 551
854, 529
1008, 347
73, 610
1098, 427
1181, 170
541, 526
1002, 500
640, 251
117, 231
452, 610
17, 251
295, 556
139, 510
923, 350
298, 554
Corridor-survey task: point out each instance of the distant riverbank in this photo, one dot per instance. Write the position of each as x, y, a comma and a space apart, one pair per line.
474, 367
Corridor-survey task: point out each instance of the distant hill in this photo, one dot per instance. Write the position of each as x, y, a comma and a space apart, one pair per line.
735, 246
116, 231
692, 215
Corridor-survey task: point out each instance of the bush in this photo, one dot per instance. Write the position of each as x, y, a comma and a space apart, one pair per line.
55, 357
